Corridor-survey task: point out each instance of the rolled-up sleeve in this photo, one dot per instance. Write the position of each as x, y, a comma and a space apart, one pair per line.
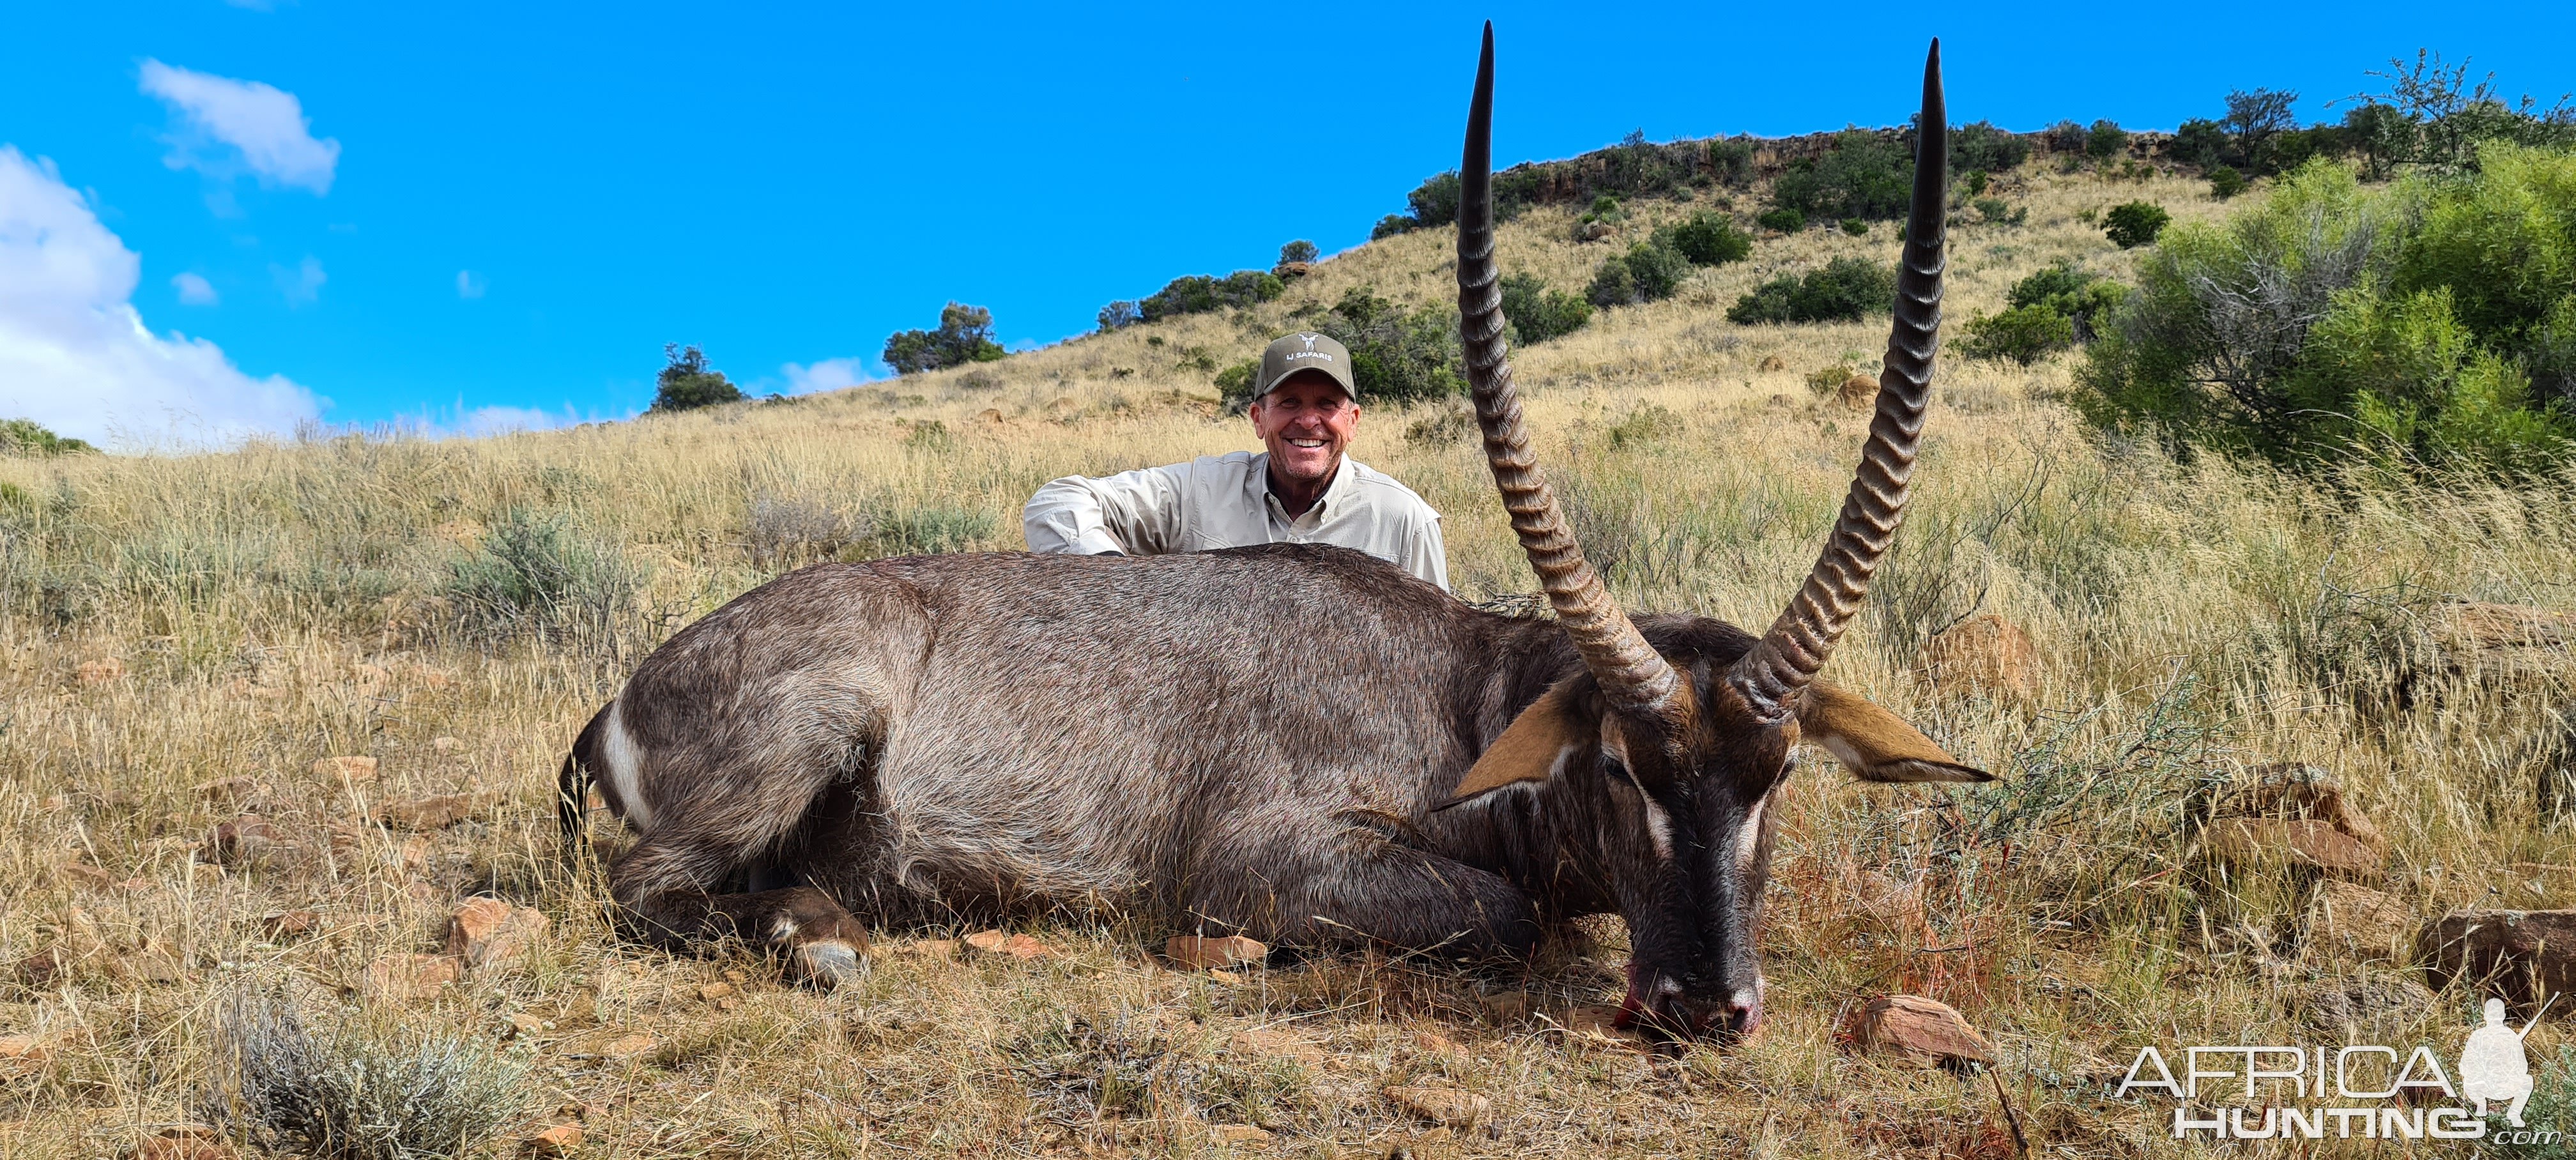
1136, 512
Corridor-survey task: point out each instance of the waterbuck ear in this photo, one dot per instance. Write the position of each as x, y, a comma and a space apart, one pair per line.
1874, 744
1532, 748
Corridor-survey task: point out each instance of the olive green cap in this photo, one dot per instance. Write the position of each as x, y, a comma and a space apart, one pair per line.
1305, 351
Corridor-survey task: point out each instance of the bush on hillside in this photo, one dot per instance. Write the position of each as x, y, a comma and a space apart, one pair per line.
1397, 356
1979, 145
1120, 315
1537, 314
1856, 227
1649, 272
2064, 137
686, 383
2086, 300
2105, 140
2426, 327
1782, 219
2023, 334
1709, 239
1389, 226
2431, 115
25, 438
965, 335
2225, 182
1844, 290
1199, 294
1300, 250
2132, 224
1863, 175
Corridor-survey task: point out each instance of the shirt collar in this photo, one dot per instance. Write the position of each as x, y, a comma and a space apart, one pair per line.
1325, 504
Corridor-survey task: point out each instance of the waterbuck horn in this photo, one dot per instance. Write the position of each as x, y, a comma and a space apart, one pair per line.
1633, 676
1798, 643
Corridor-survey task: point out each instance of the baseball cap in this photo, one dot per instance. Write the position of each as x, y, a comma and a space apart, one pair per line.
1304, 351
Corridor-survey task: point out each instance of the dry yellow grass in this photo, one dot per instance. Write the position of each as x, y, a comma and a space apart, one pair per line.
174, 621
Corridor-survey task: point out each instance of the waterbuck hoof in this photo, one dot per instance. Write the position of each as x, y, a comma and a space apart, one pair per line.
826, 964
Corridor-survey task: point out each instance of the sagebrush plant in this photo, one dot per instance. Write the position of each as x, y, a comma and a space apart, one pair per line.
353, 1088
2191, 617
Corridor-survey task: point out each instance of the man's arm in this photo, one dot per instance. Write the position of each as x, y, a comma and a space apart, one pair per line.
1426, 556
1137, 513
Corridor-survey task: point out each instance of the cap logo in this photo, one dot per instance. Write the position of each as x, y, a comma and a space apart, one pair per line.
1310, 351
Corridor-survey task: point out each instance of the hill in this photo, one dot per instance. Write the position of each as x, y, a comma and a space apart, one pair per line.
191, 639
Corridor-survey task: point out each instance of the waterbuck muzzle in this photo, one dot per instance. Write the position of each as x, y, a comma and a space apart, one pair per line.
1683, 747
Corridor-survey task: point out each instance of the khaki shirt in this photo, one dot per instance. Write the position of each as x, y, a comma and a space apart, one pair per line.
1224, 501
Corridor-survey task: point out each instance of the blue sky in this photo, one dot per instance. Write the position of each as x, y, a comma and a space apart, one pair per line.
498, 213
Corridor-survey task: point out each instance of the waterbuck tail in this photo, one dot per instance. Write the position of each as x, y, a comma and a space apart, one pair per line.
572, 783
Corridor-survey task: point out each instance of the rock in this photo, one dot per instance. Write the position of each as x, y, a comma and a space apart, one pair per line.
1293, 269
2291, 791
1198, 953
288, 923
487, 931
22, 1051
1928, 1032
86, 876
432, 813
402, 978
1276, 1043
1241, 1133
1984, 654
1593, 231
560, 1140
227, 790
2518, 955
346, 768
523, 1024
2364, 1010
2358, 920
1859, 392
714, 991
244, 841
1447, 1107
1018, 946
2259, 842
1772, 362
991, 416
104, 670
1434, 1043
929, 948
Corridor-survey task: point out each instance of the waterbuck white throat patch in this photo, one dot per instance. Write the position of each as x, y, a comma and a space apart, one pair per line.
625, 769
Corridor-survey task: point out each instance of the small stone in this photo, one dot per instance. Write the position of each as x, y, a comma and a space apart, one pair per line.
2293, 792
560, 1140
88, 877
1929, 1032
2358, 919
1508, 1007
629, 1046
714, 991
289, 923
1212, 954
102, 671
487, 931
227, 790
2250, 842
1772, 362
2516, 955
1238, 1134
1447, 1107
431, 813
243, 841
402, 978
1434, 1043
445, 744
346, 768
1984, 654
522, 1023
1018, 946
1859, 392
25, 1049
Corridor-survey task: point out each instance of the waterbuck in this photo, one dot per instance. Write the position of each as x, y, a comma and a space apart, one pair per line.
1302, 743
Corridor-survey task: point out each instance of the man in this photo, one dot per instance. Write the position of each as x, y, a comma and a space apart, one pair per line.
1303, 490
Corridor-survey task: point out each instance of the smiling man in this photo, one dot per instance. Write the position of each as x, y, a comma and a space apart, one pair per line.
1303, 490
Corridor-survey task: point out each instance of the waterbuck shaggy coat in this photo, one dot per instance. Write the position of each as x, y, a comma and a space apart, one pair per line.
1302, 743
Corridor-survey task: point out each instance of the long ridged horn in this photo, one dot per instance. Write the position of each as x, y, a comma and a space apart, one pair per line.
1798, 643
1635, 678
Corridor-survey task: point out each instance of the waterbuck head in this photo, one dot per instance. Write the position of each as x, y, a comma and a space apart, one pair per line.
1685, 745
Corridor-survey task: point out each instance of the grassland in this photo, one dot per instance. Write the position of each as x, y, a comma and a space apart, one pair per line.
176, 621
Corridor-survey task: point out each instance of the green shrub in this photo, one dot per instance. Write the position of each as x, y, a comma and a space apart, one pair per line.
1537, 314
965, 335
925, 531
539, 577
1856, 227
2023, 334
1994, 210
1974, 181
2086, 300
1981, 146
1300, 250
1709, 239
1389, 226
1234, 385
686, 384
356, 1089
1199, 294
2414, 329
1845, 290
1120, 315
26, 438
2225, 182
2105, 140
1783, 219
2132, 224
1862, 175
2064, 137
1649, 272
1397, 356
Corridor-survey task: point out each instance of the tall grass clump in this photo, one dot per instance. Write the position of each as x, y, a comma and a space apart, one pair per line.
539, 577
355, 1090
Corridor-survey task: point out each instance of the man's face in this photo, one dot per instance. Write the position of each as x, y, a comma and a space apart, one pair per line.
1306, 422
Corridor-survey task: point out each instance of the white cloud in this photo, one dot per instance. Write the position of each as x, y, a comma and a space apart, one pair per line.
302, 285
263, 126
75, 355
470, 284
194, 290
831, 374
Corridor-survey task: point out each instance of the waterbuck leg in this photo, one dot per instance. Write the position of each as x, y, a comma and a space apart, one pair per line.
1373, 889
663, 885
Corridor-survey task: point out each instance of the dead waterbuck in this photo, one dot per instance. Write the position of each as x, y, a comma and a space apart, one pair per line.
1300, 742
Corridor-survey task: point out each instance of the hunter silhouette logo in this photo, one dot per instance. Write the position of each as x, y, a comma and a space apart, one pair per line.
2383, 1092
1310, 351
